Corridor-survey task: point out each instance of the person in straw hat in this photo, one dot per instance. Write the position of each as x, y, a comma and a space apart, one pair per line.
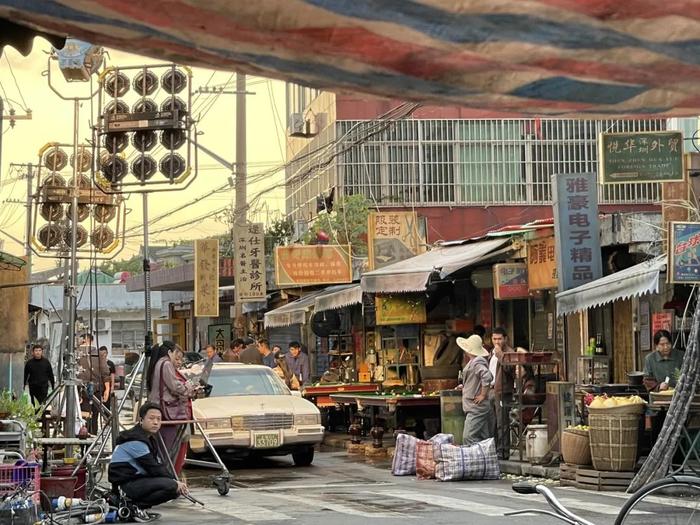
478, 423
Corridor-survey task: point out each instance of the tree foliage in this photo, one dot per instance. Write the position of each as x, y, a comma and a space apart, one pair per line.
133, 265
278, 233
346, 224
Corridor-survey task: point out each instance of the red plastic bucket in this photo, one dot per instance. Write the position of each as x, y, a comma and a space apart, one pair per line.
55, 486
66, 472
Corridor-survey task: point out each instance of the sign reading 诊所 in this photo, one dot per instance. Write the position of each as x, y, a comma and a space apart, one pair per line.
249, 243
576, 229
652, 156
684, 252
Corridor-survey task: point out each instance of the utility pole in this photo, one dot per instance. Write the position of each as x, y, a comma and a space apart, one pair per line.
240, 168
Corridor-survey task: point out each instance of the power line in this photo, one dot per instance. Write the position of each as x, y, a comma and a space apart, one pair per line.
24, 107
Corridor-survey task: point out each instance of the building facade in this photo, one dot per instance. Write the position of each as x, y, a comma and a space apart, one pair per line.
484, 171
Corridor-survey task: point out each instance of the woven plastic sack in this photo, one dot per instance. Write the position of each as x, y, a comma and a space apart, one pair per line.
404, 462
479, 461
425, 462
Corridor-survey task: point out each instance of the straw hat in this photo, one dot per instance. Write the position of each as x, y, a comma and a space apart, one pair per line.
473, 345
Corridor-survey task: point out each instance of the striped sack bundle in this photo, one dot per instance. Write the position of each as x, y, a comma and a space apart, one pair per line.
404, 462
479, 461
425, 462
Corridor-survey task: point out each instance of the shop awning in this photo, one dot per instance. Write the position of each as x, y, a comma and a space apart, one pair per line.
412, 275
634, 281
10, 262
338, 297
291, 313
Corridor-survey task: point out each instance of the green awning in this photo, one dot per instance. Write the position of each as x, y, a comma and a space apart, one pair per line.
10, 262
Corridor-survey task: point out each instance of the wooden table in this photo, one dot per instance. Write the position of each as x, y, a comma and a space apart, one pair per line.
396, 408
320, 395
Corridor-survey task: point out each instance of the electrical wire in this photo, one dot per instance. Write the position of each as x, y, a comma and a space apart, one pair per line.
24, 107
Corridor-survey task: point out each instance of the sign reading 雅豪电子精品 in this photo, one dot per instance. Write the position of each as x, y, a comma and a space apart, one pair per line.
649, 156
576, 229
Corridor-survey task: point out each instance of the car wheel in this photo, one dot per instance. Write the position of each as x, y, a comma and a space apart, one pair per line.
304, 457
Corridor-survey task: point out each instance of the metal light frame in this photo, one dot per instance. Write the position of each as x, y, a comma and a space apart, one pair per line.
132, 123
48, 194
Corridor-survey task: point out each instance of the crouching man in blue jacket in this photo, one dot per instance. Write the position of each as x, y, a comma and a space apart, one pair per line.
136, 466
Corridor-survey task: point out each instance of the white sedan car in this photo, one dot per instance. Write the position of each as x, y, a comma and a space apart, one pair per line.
251, 411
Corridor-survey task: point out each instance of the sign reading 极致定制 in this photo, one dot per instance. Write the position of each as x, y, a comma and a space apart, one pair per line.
650, 156
576, 229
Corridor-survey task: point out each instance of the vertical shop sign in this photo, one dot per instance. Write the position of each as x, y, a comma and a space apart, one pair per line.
393, 236
684, 252
249, 245
219, 336
576, 229
542, 264
206, 278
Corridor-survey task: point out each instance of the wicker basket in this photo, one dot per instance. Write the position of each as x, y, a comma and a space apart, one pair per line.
576, 447
632, 410
613, 441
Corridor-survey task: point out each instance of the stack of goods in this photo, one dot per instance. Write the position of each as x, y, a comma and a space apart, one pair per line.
439, 458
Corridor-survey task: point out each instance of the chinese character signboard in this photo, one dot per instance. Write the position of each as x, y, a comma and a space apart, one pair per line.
510, 281
219, 336
542, 264
684, 252
320, 264
654, 156
576, 229
206, 278
400, 309
392, 237
249, 245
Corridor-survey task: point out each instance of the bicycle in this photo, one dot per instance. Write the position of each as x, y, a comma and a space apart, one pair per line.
674, 501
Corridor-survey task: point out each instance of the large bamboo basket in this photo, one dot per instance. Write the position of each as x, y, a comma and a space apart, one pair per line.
576, 447
613, 441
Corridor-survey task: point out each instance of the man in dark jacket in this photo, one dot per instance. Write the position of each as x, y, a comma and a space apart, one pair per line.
38, 374
136, 466
250, 355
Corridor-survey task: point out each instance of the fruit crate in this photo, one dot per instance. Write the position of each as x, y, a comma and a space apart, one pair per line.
21, 476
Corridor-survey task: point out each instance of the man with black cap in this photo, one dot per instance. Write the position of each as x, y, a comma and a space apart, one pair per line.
475, 391
136, 466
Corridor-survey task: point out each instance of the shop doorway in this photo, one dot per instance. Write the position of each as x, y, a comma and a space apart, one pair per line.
170, 330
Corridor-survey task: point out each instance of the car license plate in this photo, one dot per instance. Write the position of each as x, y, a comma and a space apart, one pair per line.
266, 440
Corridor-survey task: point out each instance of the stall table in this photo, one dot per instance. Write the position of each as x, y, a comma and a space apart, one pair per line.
688, 446
396, 408
320, 395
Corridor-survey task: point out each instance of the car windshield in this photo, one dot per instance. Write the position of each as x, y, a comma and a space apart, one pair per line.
245, 381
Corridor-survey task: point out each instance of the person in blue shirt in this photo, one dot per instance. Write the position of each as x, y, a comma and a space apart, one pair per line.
298, 363
268, 357
136, 465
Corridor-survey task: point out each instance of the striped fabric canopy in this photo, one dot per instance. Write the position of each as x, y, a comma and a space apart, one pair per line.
581, 58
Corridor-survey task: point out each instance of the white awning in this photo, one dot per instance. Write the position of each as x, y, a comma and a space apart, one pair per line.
412, 275
291, 313
327, 299
634, 281
338, 296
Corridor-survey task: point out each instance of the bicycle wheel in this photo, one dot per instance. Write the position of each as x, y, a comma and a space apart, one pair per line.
670, 501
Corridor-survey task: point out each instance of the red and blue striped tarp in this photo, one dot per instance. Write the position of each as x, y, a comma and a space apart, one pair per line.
584, 58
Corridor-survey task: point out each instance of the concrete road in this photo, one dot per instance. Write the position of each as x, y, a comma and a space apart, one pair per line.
347, 492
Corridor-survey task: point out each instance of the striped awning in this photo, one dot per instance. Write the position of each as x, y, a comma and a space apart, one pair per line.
336, 297
503, 58
634, 281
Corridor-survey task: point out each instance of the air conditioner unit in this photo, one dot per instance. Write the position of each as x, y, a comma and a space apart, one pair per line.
102, 325
315, 123
297, 125
300, 229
